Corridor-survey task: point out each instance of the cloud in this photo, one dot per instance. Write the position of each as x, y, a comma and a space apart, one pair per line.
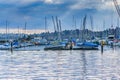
17, 2
48, 1
53, 1
34, 11
94, 4
107, 5
84, 4
27, 2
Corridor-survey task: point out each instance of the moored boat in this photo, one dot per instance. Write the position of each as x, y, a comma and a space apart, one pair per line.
85, 46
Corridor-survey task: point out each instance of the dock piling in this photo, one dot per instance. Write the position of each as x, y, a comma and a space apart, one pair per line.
102, 46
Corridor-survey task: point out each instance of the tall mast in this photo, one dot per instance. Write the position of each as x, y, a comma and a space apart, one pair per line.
58, 28
25, 27
74, 22
25, 30
117, 22
117, 32
54, 23
60, 33
60, 25
92, 31
18, 30
80, 30
91, 20
45, 24
6, 27
103, 28
57, 23
74, 25
84, 24
118, 11
117, 7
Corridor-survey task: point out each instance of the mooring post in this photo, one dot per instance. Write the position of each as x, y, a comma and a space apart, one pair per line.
111, 44
11, 43
102, 46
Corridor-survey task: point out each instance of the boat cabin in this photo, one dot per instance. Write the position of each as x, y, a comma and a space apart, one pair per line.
111, 37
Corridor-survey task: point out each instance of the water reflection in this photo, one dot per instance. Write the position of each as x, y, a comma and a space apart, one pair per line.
83, 57
60, 65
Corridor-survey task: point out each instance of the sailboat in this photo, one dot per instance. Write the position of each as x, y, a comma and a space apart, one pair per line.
85, 45
58, 44
9, 42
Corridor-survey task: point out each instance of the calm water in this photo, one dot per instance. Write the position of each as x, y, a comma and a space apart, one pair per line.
60, 65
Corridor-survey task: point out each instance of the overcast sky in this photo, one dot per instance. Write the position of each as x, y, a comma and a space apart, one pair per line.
17, 12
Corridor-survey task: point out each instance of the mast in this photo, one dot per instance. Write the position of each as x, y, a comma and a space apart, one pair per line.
60, 33
91, 20
117, 22
103, 28
117, 31
25, 30
60, 25
6, 29
18, 32
57, 23
117, 7
54, 23
74, 25
46, 36
80, 31
118, 11
25, 26
45, 24
84, 24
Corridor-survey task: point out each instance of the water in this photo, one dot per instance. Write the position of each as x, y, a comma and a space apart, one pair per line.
60, 65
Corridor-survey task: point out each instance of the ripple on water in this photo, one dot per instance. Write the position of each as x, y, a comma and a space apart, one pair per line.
60, 65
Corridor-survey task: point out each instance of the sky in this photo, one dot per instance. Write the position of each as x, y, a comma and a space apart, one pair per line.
33, 12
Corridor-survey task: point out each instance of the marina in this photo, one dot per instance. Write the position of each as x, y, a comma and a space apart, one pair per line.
60, 40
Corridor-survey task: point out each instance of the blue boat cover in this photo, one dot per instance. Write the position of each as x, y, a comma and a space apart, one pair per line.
91, 44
